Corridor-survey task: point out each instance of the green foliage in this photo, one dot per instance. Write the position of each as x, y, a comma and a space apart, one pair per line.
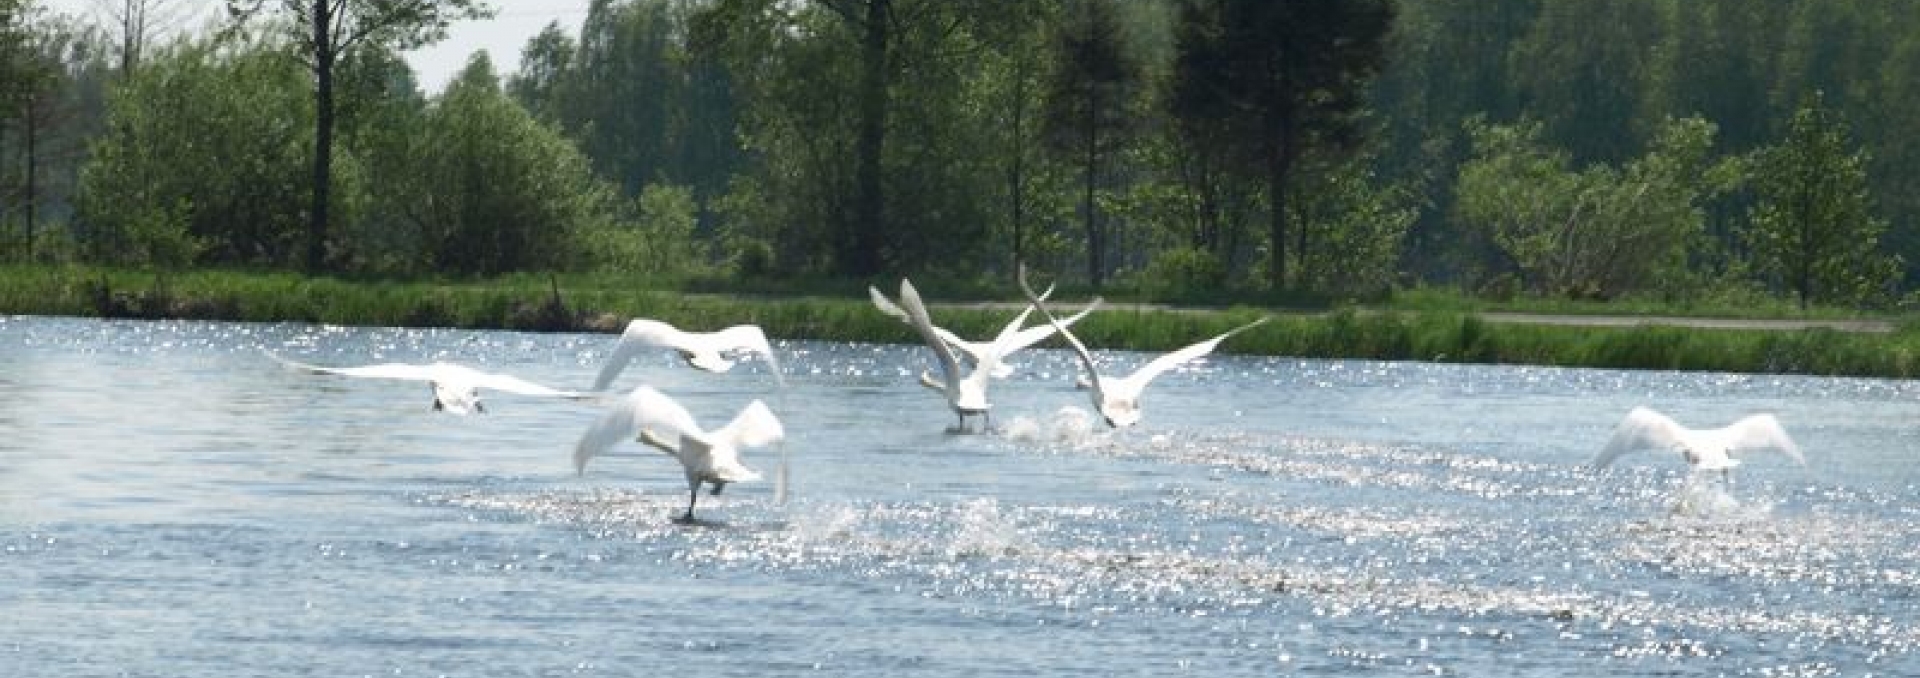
208, 137
1090, 96
661, 240
1814, 227
1183, 272
1276, 82
1598, 232
1351, 230
496, 190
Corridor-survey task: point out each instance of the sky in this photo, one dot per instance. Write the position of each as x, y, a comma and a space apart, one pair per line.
515, 22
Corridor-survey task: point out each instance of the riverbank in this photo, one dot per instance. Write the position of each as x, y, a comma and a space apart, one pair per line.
1876, 349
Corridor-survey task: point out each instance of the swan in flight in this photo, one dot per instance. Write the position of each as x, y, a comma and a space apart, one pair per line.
456, 388
704, 350
966, 392
975, 350
1118, 398
712, 457
1704, 449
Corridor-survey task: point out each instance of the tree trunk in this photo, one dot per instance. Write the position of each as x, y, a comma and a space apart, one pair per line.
323, 58
1279, 165
1017, 170
1277, 168
31, 130
863, 257
1096, 242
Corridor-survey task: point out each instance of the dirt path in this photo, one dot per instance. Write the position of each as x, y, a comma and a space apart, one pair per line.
1562, 319
1866, 326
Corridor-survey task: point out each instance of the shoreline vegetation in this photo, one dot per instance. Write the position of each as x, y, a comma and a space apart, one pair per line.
1402, 329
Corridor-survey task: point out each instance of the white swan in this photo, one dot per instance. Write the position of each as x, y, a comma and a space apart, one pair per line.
456, 388
704, 350
1118, 398
973, 350
1703, 449
966, 391
706, 456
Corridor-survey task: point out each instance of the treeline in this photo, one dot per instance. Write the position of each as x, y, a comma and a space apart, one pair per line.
1583, 148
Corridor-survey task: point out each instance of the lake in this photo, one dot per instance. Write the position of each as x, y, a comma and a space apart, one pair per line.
174, 503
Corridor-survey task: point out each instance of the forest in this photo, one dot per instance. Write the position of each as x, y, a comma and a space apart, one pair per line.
1331, 149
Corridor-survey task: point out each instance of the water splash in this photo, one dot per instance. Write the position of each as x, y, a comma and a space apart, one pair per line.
1070, 426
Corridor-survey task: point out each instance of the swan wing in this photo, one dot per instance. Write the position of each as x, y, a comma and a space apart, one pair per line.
887, 306
917, 313
1147, 372
641, 334
644, 408
512, 384
404, 371
752, 339
1007, 341
1079, 349
1641, 429
1033, 335
755, 426
1761, 433
880, 301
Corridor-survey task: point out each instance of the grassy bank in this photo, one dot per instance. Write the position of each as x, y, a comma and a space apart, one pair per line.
588, 304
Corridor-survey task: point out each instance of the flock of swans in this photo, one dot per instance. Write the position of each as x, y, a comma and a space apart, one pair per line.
711, 457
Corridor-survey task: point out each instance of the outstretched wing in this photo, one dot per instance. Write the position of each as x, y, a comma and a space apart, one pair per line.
1760, 433
1152, 369
512, 384
381, 371
880, 301
755, 426
1641, 429
644, 408
641, 334
1086, 358
752, 339
1007, 341
1026, 338
917, 314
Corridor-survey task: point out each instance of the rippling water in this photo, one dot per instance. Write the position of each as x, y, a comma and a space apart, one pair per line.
173, 503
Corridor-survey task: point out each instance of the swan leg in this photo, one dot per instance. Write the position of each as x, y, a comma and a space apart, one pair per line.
693, 497
717, 487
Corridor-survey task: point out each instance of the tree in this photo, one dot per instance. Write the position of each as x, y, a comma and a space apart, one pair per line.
326, 31
495, 190
1813, 226
44, 61
1579, 71
204, 149
1358, 225
545, 64
1286, 76
134, 24
1090, 101
1597, 232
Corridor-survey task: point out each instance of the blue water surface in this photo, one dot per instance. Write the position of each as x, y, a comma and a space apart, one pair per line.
175, 503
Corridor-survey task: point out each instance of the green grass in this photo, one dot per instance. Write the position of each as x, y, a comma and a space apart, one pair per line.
1730, 304
1442, 329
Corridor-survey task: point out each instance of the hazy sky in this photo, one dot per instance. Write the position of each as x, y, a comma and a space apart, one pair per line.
502, 37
